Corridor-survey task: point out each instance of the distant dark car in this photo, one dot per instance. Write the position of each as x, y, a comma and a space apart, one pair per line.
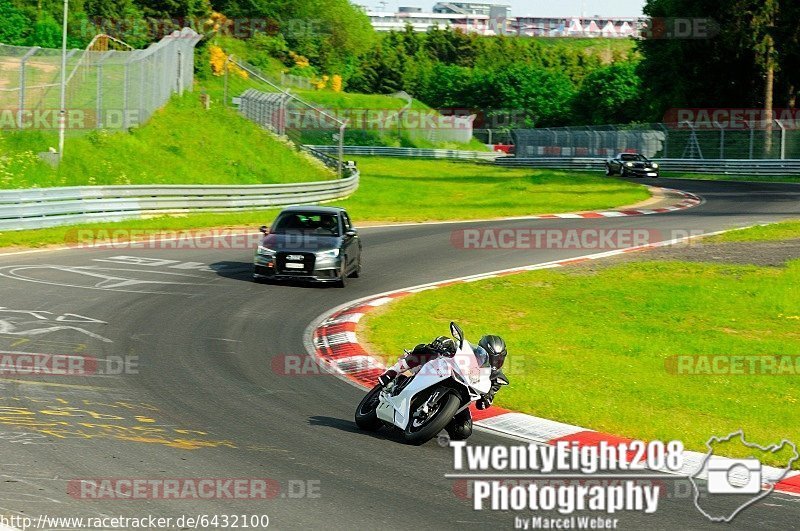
632, 165
309, 243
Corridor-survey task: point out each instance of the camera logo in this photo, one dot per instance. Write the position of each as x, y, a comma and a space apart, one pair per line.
735, 484
725, 477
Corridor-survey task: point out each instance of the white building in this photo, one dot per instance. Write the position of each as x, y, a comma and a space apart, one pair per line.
616, 27
493, 19
422, 22
472, 8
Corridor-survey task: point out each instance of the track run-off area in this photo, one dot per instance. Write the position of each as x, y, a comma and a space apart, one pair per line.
191, 382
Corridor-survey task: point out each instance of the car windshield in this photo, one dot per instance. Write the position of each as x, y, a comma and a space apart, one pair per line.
307, 222
627, 157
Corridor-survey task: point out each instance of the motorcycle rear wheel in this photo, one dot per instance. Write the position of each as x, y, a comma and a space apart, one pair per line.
430, 428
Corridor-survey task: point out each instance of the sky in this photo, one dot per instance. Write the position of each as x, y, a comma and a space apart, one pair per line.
544, 8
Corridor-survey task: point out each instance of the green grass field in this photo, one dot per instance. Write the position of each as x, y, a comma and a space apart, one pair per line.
427, 190
182, 143
593, 347
413, 190
785, 230
596, 46
718, 177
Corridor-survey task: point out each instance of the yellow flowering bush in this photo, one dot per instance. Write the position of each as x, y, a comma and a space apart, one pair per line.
219, 61
321, 83
299, 60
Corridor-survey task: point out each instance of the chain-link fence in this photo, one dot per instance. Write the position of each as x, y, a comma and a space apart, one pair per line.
395, 120
298, 82
494, 136
108, 85
757, 140
275, 109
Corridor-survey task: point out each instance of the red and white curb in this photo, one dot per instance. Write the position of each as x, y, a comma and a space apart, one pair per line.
687, 200
332, 340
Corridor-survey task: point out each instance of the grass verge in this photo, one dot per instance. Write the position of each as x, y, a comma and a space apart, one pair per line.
595, 348
719, 177
436, 190
182, 144
411, 190
773, 232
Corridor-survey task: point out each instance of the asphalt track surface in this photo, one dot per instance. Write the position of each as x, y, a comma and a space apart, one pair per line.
207, 399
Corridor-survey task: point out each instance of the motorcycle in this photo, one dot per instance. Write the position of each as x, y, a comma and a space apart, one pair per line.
426, 400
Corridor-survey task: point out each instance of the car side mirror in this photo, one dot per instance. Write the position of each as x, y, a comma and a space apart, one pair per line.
263, 229
351, 233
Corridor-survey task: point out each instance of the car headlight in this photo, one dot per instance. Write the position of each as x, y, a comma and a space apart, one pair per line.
265, 251
333, 253
655, 165
629, 164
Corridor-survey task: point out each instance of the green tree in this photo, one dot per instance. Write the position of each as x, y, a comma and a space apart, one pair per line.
762, 17
788, 41
14, 25
331, 33
447, 86
174, 9
543, 95
610, 95
731, 68
46, 33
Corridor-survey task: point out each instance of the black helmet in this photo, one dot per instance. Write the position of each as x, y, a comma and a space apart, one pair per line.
496, 348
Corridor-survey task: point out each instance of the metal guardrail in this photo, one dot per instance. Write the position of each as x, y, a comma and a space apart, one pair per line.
382, 151
706, 166
37, 208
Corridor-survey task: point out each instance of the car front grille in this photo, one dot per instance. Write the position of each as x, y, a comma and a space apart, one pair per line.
284, 258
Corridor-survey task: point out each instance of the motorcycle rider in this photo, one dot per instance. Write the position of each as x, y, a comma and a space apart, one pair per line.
490, 347
422, 354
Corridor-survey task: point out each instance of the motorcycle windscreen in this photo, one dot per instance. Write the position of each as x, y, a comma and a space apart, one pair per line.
473, 364
482, 357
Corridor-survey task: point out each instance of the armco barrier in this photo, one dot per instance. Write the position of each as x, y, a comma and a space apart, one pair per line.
708, 166
37, 208
382, 151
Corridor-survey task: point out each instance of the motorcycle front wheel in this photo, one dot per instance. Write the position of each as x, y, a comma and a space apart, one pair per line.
367, 411
419, 431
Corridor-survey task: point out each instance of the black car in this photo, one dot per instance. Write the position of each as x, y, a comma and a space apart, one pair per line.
309, 243
632, 165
